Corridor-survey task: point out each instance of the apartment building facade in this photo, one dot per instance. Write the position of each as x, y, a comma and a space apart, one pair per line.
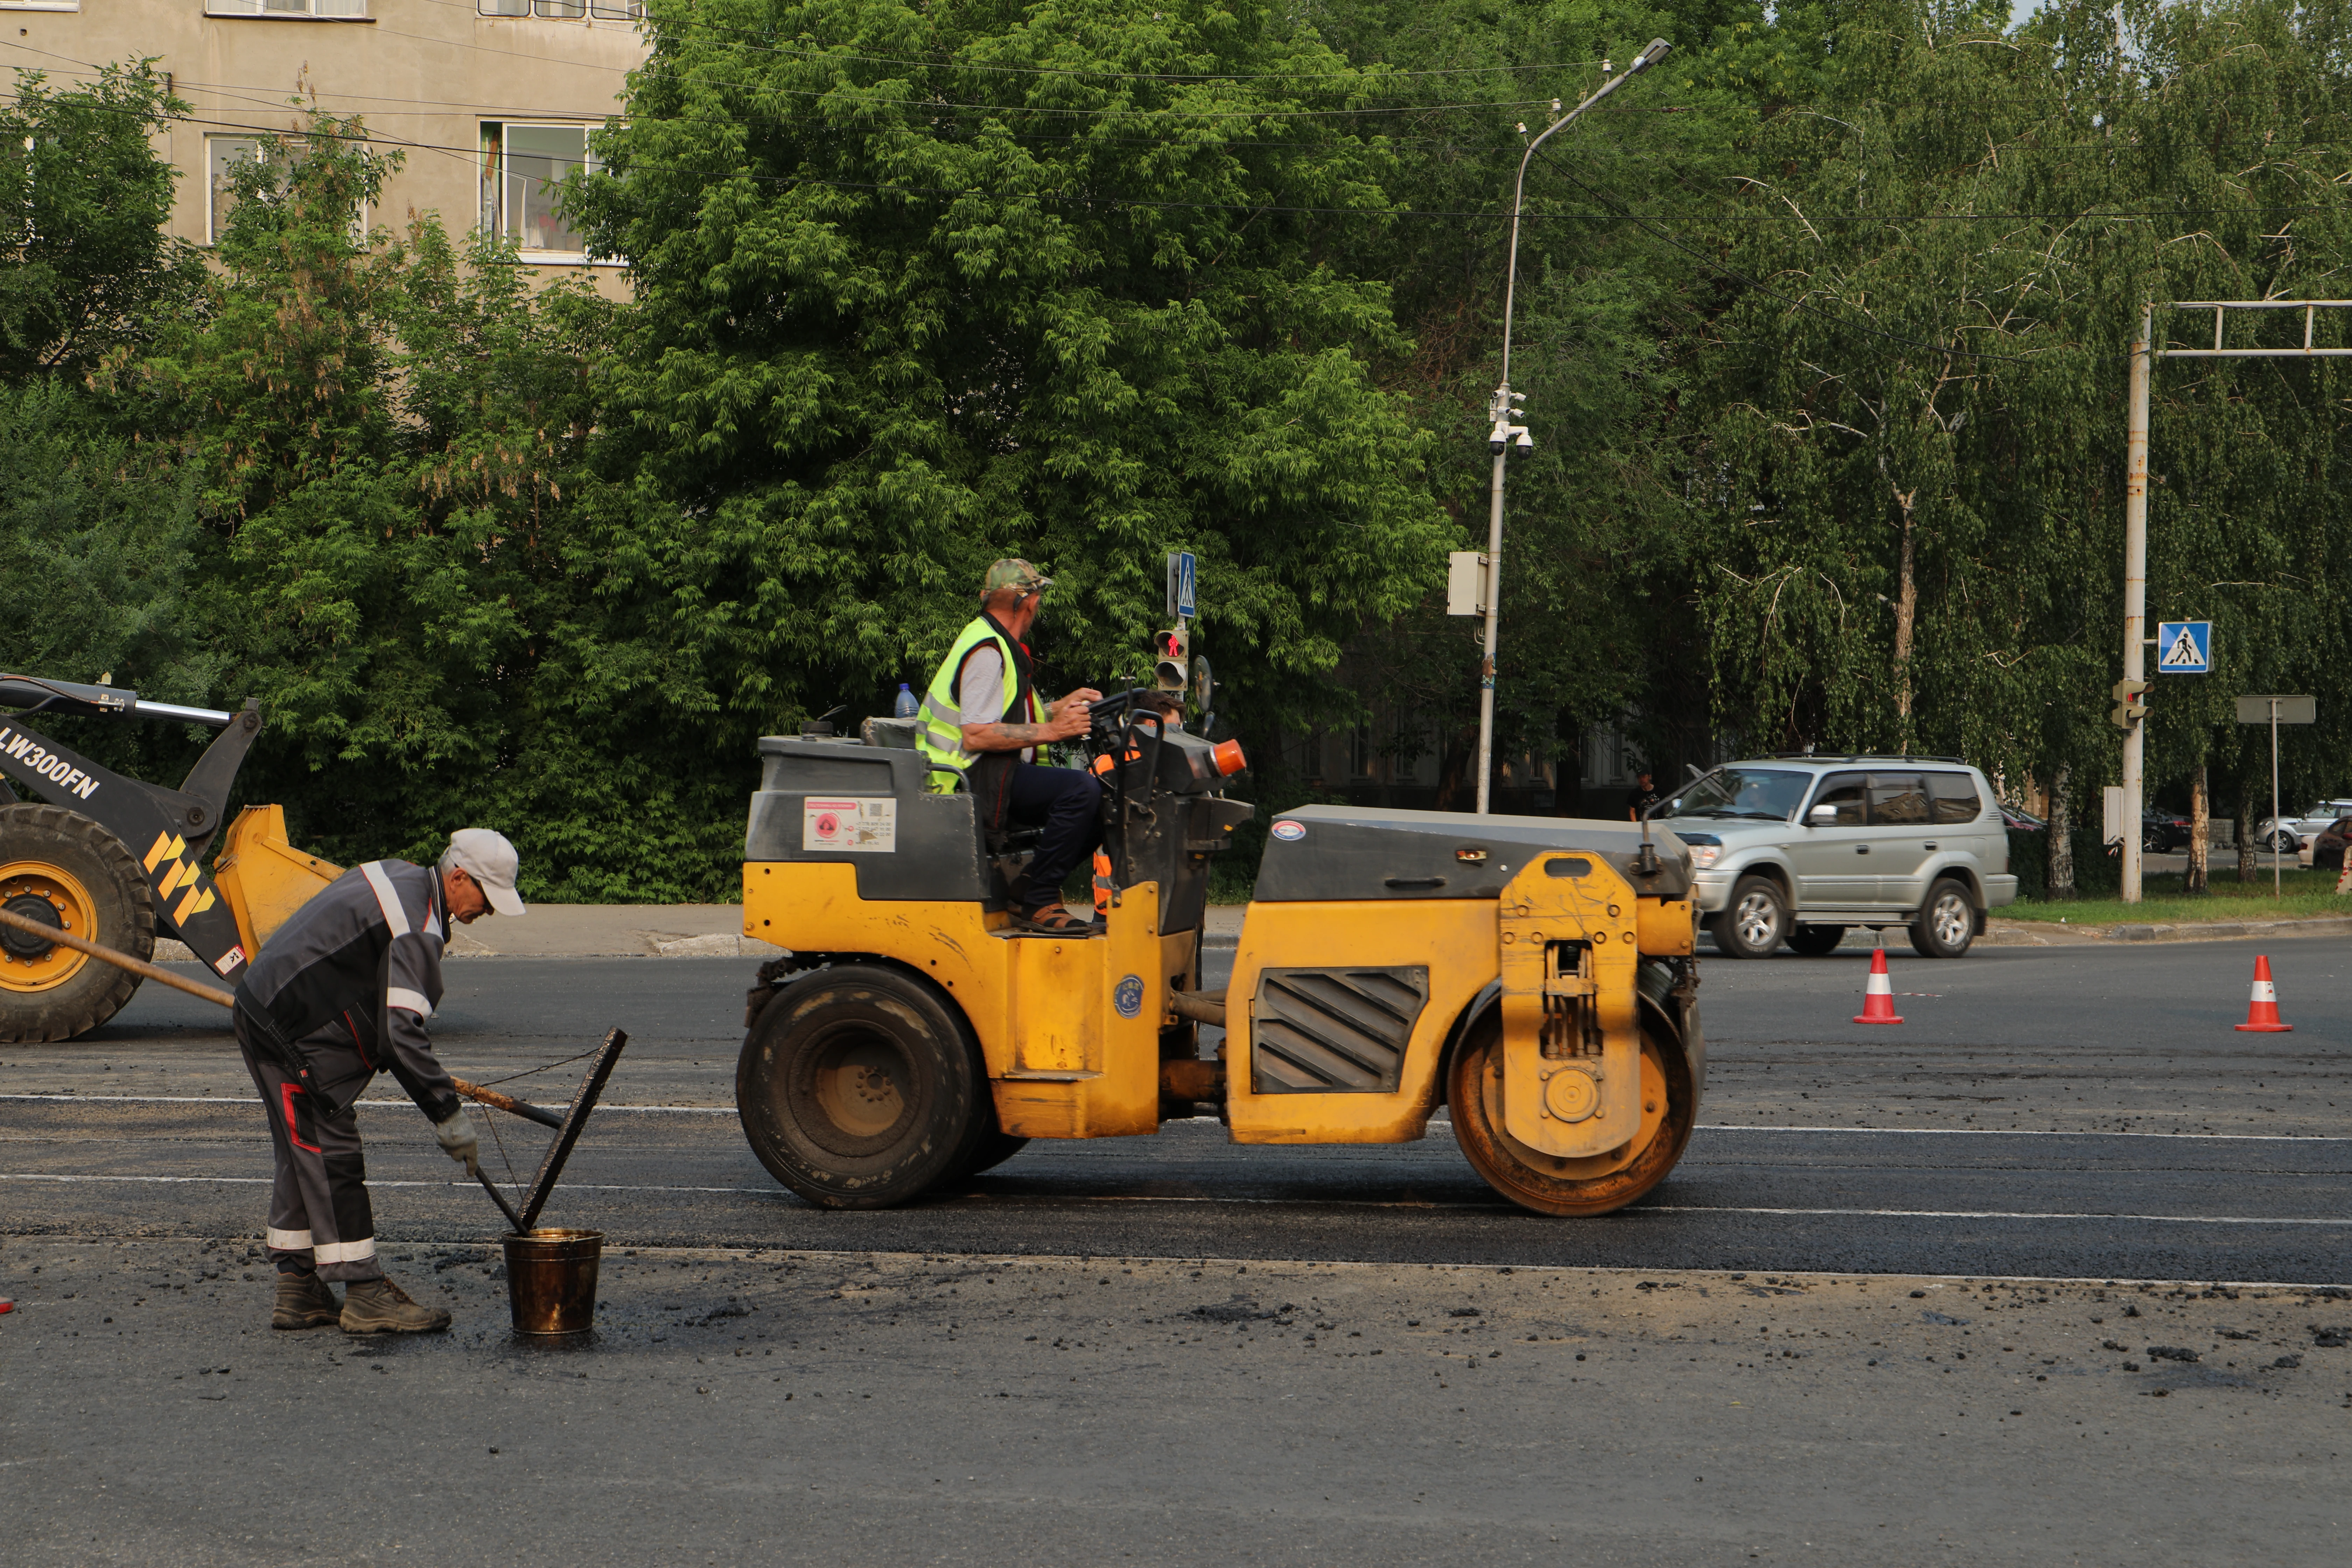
490, 100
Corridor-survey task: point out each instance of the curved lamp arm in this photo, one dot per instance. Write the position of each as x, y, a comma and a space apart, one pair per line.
1657, 50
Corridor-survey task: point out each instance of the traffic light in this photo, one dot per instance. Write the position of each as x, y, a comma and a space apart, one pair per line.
1171, 653
2129, 709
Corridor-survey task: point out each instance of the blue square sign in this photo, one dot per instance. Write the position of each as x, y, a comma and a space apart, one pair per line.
2184, 648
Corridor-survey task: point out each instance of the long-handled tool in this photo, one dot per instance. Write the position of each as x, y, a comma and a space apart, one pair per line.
567, 1126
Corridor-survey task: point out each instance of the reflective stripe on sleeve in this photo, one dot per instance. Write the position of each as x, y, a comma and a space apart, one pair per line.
344, 1251
401, 996
288, 1240
387, 898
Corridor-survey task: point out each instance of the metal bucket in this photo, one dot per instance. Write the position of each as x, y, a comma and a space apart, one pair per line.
551, 1280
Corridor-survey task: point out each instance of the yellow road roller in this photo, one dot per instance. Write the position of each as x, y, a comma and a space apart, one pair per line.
1534, 975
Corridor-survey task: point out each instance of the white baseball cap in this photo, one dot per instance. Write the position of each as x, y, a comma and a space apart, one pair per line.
491, 861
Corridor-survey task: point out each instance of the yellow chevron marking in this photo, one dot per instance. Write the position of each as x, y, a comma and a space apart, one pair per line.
163, 847
198, 900
181, 873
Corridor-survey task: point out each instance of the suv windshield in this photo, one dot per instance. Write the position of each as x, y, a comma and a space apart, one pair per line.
1762, 795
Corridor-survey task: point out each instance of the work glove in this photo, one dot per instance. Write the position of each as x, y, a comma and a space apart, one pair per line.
458, 1143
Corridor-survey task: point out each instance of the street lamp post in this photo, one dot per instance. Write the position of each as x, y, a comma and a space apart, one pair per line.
1505, 434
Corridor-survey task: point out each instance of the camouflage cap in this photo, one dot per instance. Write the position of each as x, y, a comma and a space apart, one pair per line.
1014, 573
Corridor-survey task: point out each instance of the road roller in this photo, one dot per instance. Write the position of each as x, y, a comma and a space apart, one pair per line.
1534, 976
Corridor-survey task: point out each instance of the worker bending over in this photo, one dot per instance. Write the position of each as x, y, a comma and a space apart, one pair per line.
982, 725
340, 991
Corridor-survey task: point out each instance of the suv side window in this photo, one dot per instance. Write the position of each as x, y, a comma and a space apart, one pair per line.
1955, 796
1897, 800
1845, 792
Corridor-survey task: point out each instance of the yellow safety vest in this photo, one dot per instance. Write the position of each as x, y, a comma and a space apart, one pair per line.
940, 740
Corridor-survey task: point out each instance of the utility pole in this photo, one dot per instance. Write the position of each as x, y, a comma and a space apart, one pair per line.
2143, 355
2135, 594
1503, 435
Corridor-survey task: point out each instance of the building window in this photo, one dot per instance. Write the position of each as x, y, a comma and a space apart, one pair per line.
523, 169
330, 8
603, 10
221, 153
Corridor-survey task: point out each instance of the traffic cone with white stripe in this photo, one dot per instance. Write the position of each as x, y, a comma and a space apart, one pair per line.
2261, 1012
1878, 1001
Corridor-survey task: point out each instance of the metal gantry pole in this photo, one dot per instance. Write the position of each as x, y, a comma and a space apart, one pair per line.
1504, 433
2144, 354
2275, 825
2135, 593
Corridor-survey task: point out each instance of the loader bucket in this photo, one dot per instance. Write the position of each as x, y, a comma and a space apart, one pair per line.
265, 878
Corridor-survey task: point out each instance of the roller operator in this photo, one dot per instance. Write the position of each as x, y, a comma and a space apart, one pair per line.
341, 992
983, 726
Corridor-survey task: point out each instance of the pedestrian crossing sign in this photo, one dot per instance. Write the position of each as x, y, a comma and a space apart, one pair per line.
2184, 648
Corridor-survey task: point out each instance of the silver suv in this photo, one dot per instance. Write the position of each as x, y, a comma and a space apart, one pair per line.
1797, 850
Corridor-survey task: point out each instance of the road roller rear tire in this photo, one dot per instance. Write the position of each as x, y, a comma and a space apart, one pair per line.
1549, 1186
62, 868
858, 1088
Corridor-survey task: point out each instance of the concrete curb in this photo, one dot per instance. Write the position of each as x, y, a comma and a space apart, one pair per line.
2036, 933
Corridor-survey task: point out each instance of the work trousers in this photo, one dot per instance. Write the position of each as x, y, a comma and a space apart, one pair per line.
320, 1217
1068, 805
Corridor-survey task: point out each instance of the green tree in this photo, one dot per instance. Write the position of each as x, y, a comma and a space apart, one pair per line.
922, 285
1595, 611
86, 266
1911, 438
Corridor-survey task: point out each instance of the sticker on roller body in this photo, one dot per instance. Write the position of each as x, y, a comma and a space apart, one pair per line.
1289, 832
859, 825
1128, 997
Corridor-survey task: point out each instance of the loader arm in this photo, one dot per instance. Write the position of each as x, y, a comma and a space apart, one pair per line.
165, 830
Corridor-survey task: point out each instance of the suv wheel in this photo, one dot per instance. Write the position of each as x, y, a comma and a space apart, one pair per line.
2284, 843
1946, 923
1813, 940
1755, 922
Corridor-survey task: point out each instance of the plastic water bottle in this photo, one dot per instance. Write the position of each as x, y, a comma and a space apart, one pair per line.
906, 707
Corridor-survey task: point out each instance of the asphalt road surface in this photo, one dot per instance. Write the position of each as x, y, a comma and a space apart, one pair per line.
2048, 1112
1899, 1303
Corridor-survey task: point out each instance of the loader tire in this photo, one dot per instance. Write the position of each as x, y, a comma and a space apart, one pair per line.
62, 868
858, 1088
1545, 1182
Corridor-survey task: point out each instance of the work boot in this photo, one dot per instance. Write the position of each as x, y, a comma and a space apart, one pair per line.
304, 1302
381, 1307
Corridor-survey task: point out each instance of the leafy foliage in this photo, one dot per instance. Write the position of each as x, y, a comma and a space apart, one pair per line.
920, 286
86, 267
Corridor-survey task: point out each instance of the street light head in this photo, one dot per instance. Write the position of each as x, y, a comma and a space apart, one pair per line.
1658, 50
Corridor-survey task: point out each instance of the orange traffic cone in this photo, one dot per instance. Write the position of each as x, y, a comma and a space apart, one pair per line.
1878, 1001
1102, 885
2261, 1012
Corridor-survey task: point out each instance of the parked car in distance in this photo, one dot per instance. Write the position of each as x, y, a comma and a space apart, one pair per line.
2327, 849
2018, 821
2290, 833
2162, 832
1800, 849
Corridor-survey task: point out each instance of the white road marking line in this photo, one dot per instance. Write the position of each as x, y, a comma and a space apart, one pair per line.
1345, 1203
379, 1104
2031, 1132
1204, 1123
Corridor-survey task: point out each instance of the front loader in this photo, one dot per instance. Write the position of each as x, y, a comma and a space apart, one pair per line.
119, 862
1535, 975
